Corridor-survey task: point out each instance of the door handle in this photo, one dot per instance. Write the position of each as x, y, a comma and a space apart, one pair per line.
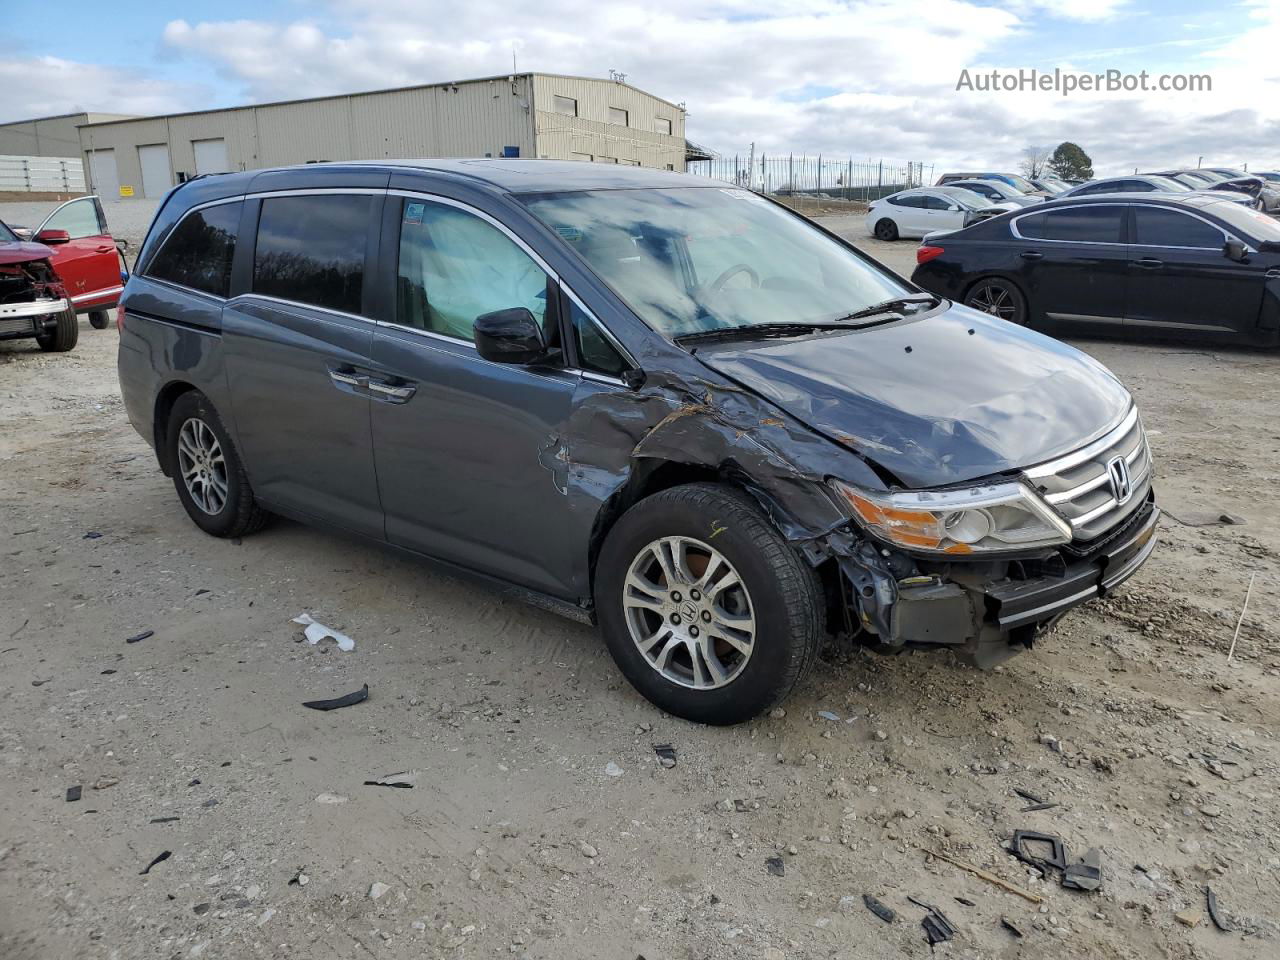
1149, 263
1272, 275
1032, 255
104, 249
395, 392
349, 378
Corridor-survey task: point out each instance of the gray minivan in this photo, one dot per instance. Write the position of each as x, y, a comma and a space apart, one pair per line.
644, 399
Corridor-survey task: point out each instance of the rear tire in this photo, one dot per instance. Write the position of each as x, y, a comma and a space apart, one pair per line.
886, 230
99, 319
207, 471
1000, 298
748, 607
63, 337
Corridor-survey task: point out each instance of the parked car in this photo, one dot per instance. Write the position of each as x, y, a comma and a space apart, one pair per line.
922, 210
1019, 183
1148, 183
1201, 179
1136, 265
1268, 195
1050, 185
33, 301
645, 399
88, 259
997, 191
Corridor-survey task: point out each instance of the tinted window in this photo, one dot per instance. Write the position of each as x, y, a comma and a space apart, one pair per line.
199, 252
1081, 224
595, 352
455, 267
79, 218
915, 201
311, 249
936, 203
1170, 228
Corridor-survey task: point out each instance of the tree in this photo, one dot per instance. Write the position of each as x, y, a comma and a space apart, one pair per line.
1070, 162
1034, 160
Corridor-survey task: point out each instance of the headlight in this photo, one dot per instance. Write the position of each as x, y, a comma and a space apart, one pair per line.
1002, 516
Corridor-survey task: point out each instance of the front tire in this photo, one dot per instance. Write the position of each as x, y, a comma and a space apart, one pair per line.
1000, 298
64, 336
886, 230
207, 471
706, 609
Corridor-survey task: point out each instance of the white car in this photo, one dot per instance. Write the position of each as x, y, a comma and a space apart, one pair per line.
923, 210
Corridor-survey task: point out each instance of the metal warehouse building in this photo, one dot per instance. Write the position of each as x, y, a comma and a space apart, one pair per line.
49, 136
519, 115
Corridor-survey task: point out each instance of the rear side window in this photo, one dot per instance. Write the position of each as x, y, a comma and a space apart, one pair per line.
1154, 227
1077, 224
199, 251
311, 249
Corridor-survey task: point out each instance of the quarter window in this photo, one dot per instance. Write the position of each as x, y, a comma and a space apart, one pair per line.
565, 105
618, 115
595, 352
311, 249
455, 267
1100, 224
1156, 227
199, 252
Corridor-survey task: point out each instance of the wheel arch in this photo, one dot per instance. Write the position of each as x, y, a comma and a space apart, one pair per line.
165, 400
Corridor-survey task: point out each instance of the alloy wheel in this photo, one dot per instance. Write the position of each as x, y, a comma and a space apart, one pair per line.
202, 466
996, 300
689, 613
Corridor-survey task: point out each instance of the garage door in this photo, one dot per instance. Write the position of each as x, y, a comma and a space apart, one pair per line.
104, 181
211, 156
154, 160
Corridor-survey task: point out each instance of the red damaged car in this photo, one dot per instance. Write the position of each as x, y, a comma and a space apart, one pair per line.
33, 300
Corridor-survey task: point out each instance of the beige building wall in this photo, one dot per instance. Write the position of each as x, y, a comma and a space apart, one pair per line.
48, 136
595, 132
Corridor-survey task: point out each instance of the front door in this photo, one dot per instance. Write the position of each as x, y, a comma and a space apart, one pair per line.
1074, 264
469, 452
1180, 281
297, 357
88, 264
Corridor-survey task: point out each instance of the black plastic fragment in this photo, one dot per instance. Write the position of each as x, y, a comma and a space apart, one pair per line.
665, 751
140, 636
73, 793
350, 700
878, 908
1215, 914
164, 819
1020, 848
1085, 875
937, 928
160, 858
91, 535
776, 867
966, 901
1011, 927
1028, 796
1037, 806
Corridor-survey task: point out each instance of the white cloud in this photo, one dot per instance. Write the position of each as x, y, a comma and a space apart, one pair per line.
48, 86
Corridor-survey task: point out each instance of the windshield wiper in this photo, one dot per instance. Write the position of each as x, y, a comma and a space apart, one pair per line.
897, 305
757, 331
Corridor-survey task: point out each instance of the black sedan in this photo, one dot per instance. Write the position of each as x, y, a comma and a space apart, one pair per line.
1136, 265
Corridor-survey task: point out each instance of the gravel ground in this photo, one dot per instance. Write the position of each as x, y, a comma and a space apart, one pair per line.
541, 823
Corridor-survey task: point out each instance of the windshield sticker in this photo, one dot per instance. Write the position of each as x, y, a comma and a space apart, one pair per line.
570, 234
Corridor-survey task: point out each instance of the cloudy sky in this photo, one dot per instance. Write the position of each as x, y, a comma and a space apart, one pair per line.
862, 78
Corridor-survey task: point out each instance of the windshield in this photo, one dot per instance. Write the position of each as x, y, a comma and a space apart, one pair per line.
1022, 183
999, 186
1253, 223
6, 235
1170, 184
965, 198
696, 259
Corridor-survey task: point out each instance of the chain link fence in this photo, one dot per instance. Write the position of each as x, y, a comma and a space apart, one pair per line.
816, 177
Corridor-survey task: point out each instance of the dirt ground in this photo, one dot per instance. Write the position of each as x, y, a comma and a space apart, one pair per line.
541, 823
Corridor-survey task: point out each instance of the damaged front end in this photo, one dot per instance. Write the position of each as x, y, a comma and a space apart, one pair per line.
31, 297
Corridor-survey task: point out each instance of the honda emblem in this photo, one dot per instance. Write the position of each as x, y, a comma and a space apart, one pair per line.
1118, 472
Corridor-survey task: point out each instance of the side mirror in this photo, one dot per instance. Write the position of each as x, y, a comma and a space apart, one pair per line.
53, 237
1235, 249
953, 208
510, 336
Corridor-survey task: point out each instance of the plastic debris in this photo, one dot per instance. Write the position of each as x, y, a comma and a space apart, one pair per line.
91, 535
404, 780
666, 754
351, 699
315, 632
140, 636
73, 793
165, 819
299, 878
878, 908
775, 866
937, 928
611, 769
1085, 875
160, 858
1011, 927
1215, 912
828, 715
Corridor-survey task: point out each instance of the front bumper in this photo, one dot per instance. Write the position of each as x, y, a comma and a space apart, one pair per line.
29, 318
985, 613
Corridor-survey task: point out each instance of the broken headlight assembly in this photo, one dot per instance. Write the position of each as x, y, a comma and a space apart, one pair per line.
982, 519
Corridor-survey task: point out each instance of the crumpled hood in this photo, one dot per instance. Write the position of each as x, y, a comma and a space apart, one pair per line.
23, 252
944, 399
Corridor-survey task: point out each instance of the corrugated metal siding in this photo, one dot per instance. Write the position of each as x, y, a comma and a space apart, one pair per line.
560, 137
48, 136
